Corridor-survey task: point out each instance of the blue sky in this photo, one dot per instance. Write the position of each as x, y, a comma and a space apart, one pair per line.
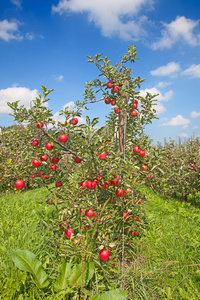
46, 43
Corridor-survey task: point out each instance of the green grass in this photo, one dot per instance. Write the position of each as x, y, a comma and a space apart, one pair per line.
167, 262
21, 227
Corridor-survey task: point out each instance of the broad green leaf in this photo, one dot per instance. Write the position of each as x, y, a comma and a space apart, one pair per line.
26, 261
75, 274
88, 274
61, 282
116, 294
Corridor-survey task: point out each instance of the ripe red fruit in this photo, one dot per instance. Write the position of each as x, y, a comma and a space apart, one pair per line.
104, 254
81, 210
58, 184
134, 113
32, 176
39, 174
117, 110
55, 160
137, 218
35, 143
113, 102
98, 178
142, 153
149, 176
53, 167
135, 105
77, 160
145, 167
44, 157
109, 84
58, 201
115, 182
63, 138
49, 146
139, 201
116, 88
102, 155
83, 184
46, 176
104, 185
74, 121
119, 192
107, 100
133, 232
68, 233
40, 125
36, 163
136, 149
91, 184
89, 213
19, 184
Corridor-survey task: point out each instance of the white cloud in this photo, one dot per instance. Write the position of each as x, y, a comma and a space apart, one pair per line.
163, 84
59, 78
13, 94
181, 29
177, 121
71, 105
109, 15
192, 71
18, 3
194, 115
170, 69
159, 107
195, 127
183, 135
9, 30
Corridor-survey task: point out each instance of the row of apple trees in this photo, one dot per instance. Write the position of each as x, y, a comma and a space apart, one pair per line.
176, 172
91, 173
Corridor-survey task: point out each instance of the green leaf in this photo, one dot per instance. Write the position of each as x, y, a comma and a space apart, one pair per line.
88, 120
111, 295
87, 275
95, 121
8, 162
26, 261
61, 282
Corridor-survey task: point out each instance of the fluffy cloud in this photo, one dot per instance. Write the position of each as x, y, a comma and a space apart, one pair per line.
159, 107
181, 29
12, 94
177, 121
18, 3
192, 71
163, 84
109, 15
170, 69
9, 30
183, 135
59, 78
71, 105
194, 115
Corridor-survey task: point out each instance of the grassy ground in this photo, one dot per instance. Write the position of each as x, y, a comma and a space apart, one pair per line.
167, 255
168, 262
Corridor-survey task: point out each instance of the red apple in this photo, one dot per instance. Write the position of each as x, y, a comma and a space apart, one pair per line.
39, 174
19, 184
49, 146
113, 102
104, 185
58, 184
142, 153
109, 84
149, 176
91, 184
36, 163
77, 160
55, 160
46, 176
134, 113
35, 143
74, 121
53, 167
58, 201
44, 157
135, 105
115, 182
117, 110
102, 155
89, 213
104, 254
107, 100
136, 149
83, 184
116, 88
69, 233
32, 176
119, 192
63, 138
40, 125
